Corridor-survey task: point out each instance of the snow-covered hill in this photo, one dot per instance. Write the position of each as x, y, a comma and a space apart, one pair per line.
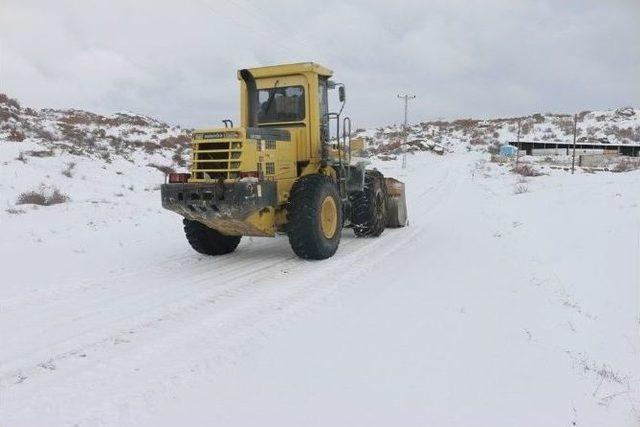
614, 126
87, 156
89, 134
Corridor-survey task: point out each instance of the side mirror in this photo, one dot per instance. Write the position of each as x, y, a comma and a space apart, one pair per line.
341, 94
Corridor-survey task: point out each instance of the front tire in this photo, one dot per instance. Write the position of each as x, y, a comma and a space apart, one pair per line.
208, 241
314, 214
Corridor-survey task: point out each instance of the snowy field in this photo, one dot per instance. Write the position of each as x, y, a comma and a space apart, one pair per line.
491, 308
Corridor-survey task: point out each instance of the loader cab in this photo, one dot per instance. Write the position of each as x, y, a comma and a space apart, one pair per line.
292, 97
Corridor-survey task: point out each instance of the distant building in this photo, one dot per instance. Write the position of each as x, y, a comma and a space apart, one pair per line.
550, 148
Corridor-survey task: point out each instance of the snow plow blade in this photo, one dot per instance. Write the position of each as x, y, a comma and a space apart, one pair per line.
396, 203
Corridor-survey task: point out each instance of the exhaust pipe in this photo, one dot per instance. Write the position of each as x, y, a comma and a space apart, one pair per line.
252, 96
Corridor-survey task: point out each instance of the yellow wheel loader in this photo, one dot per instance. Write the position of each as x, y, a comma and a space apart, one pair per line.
283, 170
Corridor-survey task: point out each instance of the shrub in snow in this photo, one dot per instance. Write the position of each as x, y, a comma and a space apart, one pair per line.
525, 127
13, 211
43, 134
494, 148
178, 157
520, 188
68, 171
16, 135
40, 153
538, 118
42, 197
21, 157
526, 170
565, 125
176, 141
150, 147
626, 165
4, 99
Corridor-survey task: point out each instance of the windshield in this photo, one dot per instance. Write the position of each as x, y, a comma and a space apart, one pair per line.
281, 104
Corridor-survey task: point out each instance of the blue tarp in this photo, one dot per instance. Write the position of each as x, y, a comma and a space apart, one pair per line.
508, 150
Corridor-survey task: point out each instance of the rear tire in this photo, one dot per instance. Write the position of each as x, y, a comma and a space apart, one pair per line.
368, 207
207, 240
314, 215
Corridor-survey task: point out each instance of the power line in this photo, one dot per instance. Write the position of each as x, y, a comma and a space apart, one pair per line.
405, 129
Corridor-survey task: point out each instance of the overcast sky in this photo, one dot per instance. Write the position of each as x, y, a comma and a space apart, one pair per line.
176, 60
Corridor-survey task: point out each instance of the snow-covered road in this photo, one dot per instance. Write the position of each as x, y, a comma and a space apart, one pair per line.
490, 309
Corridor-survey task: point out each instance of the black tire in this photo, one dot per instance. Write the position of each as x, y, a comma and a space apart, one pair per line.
304, 227
207, 240
369, 208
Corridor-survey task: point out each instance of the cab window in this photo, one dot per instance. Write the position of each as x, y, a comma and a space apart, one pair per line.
281, 104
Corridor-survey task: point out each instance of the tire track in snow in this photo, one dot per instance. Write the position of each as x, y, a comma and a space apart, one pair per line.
244, 302
136, 294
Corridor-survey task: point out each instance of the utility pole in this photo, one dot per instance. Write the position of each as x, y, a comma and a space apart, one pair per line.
575, 131
406, 131
518, 143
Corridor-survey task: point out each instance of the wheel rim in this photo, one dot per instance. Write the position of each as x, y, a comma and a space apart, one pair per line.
328, 217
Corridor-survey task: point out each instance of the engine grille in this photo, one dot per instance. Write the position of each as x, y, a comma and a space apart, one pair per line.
215, 159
